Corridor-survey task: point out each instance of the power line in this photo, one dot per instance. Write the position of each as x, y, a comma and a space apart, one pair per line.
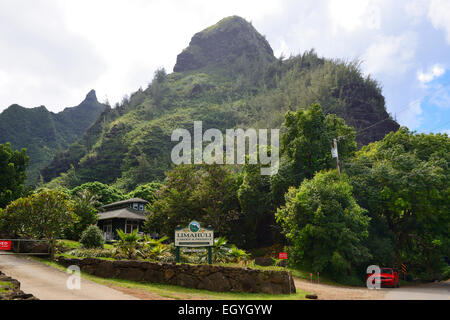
440, 126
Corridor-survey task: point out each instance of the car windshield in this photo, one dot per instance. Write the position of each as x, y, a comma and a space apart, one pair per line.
385, 270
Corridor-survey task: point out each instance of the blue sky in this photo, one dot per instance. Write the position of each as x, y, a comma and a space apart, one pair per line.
52, 52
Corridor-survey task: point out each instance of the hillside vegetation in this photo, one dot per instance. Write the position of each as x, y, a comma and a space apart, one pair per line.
44, 133
227, 77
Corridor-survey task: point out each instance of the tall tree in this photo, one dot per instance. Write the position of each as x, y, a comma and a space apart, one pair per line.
13, 164
257, 218
43, 215
403, 180
106, 194
206, 193
84, 203
325, 224
306, 147
146, 191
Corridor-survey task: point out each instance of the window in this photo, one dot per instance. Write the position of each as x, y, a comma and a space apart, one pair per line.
141, 207
107, 230
136, 206
130, 226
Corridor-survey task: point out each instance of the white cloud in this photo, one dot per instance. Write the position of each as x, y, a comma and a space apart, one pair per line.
433, 73
391, 55
352, 15
411, 116
438, 14
53, 52
44, 62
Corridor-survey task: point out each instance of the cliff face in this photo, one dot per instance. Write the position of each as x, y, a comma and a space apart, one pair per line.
222, 44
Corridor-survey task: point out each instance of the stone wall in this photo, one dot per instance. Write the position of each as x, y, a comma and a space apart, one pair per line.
213, 278
10, 289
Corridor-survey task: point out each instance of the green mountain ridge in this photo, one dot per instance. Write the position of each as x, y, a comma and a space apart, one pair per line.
227, 77
44, 133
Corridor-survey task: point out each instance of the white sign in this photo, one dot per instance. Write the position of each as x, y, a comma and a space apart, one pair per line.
194, 236
334, 152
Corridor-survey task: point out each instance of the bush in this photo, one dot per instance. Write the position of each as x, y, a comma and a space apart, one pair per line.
92, 253
92, 237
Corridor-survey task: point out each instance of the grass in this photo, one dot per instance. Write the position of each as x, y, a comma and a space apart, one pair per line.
70, 244
179, 293
5, 283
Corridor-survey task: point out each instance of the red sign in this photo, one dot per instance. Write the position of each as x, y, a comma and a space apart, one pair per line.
282, 255
5, 245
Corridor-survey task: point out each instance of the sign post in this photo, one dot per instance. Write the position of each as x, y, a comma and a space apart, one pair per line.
194, 235
403, 267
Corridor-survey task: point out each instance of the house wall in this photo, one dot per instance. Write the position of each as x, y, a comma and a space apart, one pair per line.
117, 223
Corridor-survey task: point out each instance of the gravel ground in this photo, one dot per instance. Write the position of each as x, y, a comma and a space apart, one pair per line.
327, 292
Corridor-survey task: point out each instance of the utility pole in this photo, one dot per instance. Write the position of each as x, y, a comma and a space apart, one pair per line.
334, 154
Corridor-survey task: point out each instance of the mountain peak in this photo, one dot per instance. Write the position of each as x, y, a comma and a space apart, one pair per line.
91, 96
222, 44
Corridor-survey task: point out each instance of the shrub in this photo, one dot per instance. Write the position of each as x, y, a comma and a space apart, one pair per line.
92, 237
127, 247
92, 253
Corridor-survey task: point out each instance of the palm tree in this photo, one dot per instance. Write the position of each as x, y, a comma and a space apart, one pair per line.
127, 245
154, 248
219, 250
239, 255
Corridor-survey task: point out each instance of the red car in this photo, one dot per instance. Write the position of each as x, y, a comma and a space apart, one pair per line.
388, 277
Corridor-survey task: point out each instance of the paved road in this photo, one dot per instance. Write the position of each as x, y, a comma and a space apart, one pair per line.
47, 283
432, 291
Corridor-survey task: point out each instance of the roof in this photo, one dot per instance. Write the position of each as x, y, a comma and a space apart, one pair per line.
124, 213
123, 202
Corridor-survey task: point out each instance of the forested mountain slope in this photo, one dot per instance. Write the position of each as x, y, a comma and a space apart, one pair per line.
227, 77
44, 133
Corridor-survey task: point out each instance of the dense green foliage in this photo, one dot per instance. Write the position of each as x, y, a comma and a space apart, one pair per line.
12, 173
127, 246
307, 142
146, 191
43, 215
44, 133
256, 222
325, 224
187, 196
92, 237
105, 194
403, 181
84, 203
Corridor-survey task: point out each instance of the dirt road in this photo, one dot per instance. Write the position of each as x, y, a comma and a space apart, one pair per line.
433, 291
47, 283
328, 292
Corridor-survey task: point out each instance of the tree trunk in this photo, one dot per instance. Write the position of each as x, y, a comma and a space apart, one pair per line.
52, 249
